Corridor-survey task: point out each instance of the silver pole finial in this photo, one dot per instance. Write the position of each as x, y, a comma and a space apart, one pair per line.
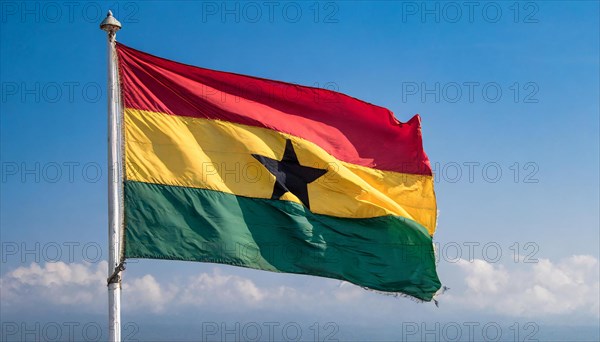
110, 24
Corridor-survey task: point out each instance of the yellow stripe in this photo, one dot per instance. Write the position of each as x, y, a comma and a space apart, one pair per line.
217, 155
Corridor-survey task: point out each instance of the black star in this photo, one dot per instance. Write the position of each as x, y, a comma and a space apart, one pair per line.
290, 176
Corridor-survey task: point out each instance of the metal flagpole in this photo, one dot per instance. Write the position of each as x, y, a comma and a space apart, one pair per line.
115, 182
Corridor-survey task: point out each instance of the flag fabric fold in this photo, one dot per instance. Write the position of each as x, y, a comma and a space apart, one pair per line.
239, 170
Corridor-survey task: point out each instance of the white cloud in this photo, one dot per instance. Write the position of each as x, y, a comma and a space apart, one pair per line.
84, 285
560, 289
57, 283
570, 286
145, 293
222, 288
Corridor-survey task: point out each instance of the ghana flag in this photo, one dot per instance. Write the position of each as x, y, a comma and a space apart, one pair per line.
244, 171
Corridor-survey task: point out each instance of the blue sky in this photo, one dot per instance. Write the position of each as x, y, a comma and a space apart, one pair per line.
509, 98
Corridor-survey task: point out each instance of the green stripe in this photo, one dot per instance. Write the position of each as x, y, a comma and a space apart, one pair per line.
388, 253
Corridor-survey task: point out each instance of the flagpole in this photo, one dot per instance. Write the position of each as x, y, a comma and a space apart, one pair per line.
115, 181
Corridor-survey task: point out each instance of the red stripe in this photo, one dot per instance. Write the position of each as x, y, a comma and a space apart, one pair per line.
349, 129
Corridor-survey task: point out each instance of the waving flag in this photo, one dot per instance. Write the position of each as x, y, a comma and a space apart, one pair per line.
238, 170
